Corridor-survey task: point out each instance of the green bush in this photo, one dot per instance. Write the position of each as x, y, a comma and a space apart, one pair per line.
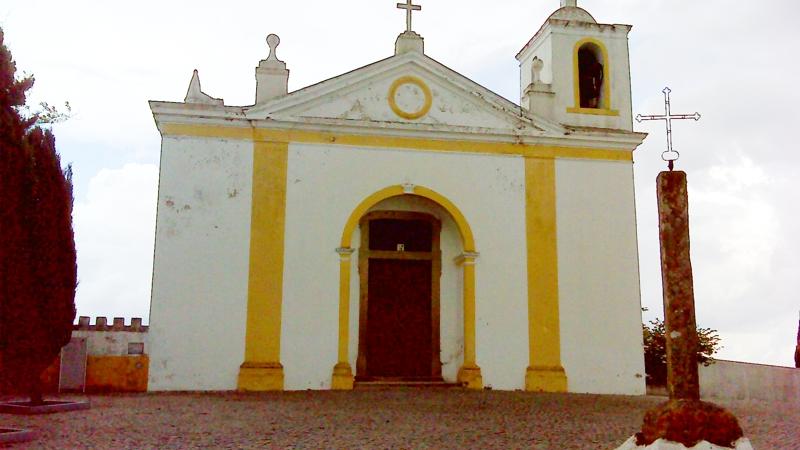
655, 350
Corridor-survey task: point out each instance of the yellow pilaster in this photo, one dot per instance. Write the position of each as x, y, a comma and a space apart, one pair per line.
469, 374
342, 372
545, 372
261, 369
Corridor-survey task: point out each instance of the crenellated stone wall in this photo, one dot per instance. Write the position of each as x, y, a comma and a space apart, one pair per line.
117, 357
115, 339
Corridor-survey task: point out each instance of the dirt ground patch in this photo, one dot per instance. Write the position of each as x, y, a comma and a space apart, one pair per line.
396, 419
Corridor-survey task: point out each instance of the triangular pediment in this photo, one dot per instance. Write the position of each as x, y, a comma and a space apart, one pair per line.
405, 91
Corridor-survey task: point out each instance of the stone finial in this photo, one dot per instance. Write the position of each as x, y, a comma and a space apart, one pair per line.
569, 3
195, 95
409, 41
273, 41
536, 70
538, 97
272, 76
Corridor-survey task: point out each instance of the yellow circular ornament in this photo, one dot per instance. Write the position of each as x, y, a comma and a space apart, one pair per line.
411, 115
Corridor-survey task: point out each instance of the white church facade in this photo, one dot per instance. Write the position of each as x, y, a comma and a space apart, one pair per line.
402, 223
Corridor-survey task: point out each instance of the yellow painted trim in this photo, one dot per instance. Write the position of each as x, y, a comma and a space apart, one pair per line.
469, 312
594, 111
361, 209
545, 372
425, 91
411, 144
606, 106
342, 372
467, 238
545, 379
464, 229
343, 379
258, 377
470, 373
209, 131
261, 369
470, 377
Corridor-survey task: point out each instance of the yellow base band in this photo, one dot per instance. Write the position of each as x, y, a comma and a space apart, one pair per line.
545, 379
342, 377
260, 377
470, 377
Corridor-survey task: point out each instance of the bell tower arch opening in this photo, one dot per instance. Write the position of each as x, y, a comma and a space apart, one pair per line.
591, 76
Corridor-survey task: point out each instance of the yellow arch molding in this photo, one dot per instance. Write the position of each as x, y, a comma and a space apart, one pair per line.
605, 109
393, 191
469, 374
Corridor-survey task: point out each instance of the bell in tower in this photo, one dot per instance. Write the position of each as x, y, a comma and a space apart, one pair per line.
576, 71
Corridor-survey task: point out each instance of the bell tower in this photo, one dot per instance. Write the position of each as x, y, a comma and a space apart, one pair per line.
576, 71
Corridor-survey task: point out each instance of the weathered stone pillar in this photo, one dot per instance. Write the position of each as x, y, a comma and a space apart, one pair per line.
684, 419
676, 275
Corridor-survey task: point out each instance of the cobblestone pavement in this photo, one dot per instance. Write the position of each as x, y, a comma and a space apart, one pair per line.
396, 419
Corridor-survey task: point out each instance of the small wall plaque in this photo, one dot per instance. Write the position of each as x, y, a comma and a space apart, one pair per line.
136, 348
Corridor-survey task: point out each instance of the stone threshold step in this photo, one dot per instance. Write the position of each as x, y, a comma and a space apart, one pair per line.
406, 384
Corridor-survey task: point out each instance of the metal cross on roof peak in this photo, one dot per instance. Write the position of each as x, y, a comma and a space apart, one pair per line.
409, 8
670, 156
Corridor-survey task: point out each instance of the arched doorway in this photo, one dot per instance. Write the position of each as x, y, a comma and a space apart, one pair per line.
469, 374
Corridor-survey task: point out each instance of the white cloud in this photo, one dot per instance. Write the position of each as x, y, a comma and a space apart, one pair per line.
114, 234
735, 225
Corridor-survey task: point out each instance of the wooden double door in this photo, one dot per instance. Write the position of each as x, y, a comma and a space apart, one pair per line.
399, 270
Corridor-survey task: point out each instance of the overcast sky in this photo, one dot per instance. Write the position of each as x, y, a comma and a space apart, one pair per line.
734, 62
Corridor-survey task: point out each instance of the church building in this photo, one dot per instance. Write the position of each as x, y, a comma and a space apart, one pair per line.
400, 223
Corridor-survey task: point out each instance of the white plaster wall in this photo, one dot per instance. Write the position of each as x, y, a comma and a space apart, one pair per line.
325, 184
734, 380
200, 271
111, 343
598, 270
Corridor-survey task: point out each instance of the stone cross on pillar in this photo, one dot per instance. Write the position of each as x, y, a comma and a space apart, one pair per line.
409, 9
670, 155
684, 418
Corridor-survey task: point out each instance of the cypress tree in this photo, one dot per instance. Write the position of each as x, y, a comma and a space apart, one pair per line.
38, 271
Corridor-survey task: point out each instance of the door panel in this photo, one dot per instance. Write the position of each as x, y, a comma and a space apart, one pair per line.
399, 330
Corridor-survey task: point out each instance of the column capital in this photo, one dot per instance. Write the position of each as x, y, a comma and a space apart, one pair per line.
345, 252
466, 258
